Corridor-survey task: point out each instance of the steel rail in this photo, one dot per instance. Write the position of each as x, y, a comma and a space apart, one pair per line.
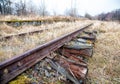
11, 68
25, 33
21, 34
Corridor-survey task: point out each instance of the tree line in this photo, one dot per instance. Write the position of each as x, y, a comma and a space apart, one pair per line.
5, 7
22, 7
110, 16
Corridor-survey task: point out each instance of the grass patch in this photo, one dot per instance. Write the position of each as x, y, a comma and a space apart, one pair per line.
104, 67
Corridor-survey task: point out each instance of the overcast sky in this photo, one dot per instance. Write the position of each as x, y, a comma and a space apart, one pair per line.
92, 7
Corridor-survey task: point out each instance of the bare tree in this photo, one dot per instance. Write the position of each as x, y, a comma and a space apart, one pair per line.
5, 7
0, 8
21, 8
42, 9
2, 3
73, 10
8, 7
31, 8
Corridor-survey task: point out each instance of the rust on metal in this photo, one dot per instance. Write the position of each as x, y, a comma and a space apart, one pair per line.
72, 57
81, 52
79, 71
18, 64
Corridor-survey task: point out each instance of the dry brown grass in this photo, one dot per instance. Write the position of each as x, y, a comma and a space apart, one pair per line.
104, 67
6, 30
35, 17
30, 17
18, 45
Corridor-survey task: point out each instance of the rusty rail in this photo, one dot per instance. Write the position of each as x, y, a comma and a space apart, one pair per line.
21, 34
25, 33
13, 67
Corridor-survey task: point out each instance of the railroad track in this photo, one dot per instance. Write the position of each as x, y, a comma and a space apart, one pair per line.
23, 34
11, 68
